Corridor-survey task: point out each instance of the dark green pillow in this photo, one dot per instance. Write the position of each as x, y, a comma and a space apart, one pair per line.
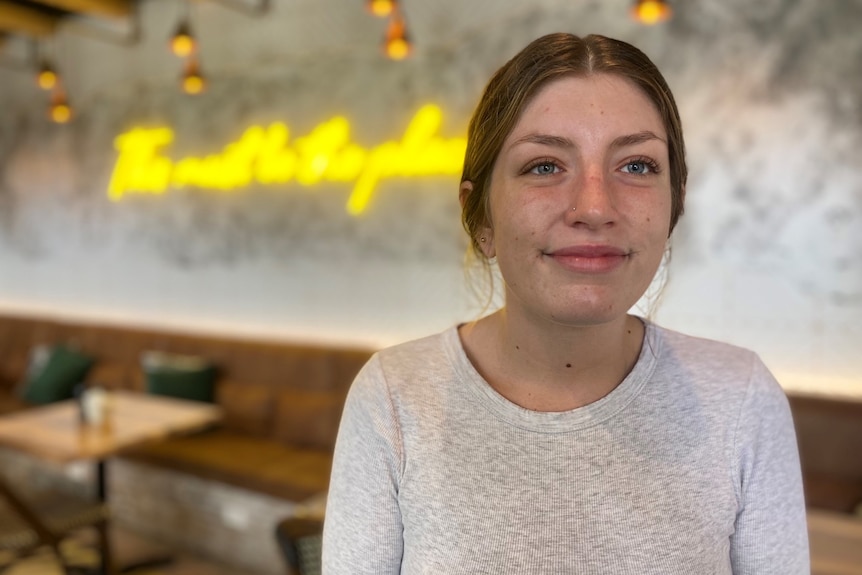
56, 381
180, 376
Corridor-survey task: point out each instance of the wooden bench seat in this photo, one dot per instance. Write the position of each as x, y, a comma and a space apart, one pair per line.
253, 463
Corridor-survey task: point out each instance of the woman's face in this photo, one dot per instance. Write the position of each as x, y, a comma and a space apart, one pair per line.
580, 201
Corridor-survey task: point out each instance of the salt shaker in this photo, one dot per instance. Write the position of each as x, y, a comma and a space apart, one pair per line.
95, 404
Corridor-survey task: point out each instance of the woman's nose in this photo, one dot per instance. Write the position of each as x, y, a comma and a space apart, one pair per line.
591, 200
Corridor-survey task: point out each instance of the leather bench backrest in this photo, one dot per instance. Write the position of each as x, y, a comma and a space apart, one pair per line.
291, 392
829, 432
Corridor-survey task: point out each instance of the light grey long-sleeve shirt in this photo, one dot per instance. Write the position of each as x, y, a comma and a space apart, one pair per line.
688, 467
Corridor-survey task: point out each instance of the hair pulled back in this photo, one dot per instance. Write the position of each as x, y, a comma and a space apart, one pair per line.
513, 86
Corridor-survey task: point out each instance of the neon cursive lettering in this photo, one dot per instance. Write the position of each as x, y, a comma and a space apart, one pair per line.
267, 156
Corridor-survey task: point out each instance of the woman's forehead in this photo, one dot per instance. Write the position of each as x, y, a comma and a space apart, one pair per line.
603, 99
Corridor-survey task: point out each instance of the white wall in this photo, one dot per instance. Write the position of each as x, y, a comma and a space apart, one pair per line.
767, 255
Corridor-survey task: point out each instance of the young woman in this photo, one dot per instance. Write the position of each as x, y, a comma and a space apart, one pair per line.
561, 434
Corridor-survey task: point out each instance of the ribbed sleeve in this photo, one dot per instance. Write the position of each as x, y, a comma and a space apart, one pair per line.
771, 536
363, 531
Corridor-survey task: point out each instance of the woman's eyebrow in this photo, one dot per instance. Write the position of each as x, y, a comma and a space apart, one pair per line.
638, 138
561, 142
545, 140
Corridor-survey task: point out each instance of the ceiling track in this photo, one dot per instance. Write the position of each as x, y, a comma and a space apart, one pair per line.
252, 8
89, 28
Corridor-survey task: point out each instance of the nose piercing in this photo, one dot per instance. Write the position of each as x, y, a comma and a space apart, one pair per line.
575, 208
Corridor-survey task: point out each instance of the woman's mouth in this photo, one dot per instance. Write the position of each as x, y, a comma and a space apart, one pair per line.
589, 258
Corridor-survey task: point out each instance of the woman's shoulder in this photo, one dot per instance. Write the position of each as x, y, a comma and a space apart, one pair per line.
428, 358
725, 380
709, 364
680, 347
416, 349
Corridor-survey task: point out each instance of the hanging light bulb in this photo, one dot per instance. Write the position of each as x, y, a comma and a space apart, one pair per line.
397, 45
193, 80
381, 8
46, 78
60, 110
651, 11
182, 42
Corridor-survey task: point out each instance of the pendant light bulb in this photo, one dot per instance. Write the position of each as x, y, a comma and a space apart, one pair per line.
381, 8
60, 110
47, 76
651, 12
397, 45
193, 80
182, 42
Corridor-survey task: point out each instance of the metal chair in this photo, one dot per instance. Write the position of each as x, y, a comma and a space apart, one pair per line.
45, 519
299, 539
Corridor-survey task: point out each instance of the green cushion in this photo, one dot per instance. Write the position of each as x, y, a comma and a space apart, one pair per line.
64, 369
180, 377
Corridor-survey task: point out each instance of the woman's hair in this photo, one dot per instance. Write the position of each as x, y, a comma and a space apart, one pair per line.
513, 86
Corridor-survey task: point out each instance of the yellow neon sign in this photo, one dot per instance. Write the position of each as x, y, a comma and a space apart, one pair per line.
265, 155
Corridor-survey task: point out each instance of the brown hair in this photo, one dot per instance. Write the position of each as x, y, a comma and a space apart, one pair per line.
513, 86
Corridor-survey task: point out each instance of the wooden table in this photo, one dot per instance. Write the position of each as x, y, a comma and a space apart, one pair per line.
56, 432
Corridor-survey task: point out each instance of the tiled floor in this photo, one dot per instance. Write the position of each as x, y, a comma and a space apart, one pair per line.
128, 548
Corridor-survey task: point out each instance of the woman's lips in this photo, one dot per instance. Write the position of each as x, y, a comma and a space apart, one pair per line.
589, 258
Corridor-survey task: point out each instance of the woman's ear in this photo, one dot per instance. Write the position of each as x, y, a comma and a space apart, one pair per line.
464, 190
485, 240
679, 215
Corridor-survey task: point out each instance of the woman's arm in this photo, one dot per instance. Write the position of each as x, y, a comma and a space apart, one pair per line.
771, 535
363, 531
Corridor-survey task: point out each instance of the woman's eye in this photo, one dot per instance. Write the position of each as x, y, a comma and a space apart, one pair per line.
544, 169
639, 167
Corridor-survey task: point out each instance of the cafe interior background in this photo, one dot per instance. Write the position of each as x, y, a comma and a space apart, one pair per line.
767, 255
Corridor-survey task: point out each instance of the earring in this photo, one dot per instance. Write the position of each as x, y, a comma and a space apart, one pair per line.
482, 240
574, 209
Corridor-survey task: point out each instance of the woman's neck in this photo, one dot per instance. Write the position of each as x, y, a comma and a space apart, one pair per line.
551, 367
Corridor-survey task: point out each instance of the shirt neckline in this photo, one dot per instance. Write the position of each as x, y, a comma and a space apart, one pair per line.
561, 421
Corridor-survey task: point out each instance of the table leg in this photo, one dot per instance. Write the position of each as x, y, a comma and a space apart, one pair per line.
106, 566
101, 481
